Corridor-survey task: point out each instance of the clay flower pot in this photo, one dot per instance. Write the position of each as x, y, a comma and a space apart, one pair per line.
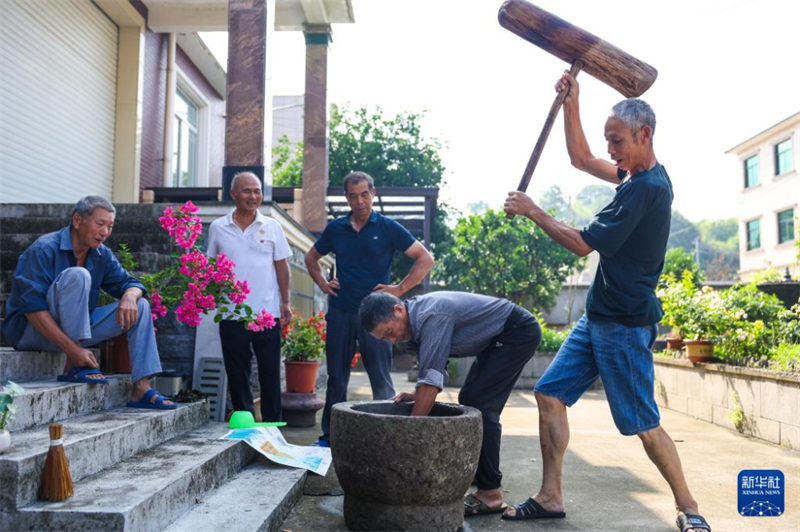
301, 377
404, 473
674, 344
699, 350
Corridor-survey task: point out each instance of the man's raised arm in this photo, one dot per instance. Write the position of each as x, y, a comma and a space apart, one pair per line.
580, 155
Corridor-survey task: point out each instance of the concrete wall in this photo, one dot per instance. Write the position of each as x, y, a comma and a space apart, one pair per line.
769, 401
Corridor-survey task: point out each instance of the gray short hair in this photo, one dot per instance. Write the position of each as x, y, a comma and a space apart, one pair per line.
377, 308
636, 114
240, 174
86, 206
355, 178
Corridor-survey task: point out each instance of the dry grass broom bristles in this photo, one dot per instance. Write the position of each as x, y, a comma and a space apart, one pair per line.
56, 478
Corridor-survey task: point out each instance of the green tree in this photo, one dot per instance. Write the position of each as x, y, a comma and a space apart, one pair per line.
682, 233
677, 262
552, 200
589, 201
510, 259
287, 169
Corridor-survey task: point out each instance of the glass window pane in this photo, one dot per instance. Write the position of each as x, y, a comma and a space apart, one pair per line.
786, 226
751, 171
753, 235
783, 157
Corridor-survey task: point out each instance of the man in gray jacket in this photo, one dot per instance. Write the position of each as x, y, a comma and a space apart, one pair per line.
501, 335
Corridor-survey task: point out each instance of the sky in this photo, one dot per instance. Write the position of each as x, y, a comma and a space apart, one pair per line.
728, 69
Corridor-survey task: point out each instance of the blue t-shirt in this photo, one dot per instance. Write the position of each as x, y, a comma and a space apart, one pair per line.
631, 236
363, 258
39, 266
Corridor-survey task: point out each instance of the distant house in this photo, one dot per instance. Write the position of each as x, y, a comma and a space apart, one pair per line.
770, 196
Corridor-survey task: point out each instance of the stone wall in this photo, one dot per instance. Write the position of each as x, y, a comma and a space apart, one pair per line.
768, 400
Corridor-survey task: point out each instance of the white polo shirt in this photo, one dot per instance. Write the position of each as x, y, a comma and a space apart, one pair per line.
254, 251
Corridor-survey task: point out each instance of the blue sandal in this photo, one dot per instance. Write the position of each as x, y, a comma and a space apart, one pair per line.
158, 404
80, 375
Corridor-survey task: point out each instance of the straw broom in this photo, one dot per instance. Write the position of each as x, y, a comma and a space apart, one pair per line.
56, 478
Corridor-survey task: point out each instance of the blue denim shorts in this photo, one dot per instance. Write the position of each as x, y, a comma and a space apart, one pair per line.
621, 357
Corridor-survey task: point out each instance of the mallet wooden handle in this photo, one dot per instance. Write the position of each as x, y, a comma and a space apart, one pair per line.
548, 125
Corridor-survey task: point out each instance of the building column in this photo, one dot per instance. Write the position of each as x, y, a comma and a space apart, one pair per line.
245, 94
315, 129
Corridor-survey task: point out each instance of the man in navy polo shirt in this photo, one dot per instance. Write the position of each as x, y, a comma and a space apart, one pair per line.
364, 243
613, 339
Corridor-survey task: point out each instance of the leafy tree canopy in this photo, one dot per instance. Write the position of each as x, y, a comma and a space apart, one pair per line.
512, 259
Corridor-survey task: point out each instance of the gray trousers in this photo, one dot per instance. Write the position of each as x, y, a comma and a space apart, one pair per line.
68, 304
344, 330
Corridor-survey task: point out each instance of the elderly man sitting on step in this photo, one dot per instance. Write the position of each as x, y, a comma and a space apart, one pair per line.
53, 302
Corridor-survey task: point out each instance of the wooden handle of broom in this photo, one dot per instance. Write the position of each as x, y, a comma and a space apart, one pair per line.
548, 125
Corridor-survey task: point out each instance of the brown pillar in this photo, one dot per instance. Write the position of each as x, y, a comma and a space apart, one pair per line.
315, 129
244, 102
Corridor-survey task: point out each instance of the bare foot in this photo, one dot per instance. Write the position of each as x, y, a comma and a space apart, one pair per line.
142, 387
78, 357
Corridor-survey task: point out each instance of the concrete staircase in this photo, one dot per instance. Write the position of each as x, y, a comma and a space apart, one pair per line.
133, 470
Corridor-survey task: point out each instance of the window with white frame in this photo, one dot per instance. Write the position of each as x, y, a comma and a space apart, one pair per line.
783, 157
184, 142
786, 226
751, 171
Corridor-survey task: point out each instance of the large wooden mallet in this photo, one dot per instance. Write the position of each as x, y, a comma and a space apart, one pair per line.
583, 51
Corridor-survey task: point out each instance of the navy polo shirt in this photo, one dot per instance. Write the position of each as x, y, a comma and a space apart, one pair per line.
631, 236
363, 258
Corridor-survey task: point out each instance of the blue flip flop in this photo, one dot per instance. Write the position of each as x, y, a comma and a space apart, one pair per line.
80, 375
158, 404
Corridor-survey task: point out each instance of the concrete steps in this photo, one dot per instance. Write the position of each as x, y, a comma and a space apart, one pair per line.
20, 366
92, 443
147, 492
270, 493
48, 401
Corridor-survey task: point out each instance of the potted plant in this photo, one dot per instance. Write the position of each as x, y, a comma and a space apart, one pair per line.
697, 313
7, 409
303, 345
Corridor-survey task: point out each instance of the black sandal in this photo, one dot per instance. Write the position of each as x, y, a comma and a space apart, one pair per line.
531, 509
689, 521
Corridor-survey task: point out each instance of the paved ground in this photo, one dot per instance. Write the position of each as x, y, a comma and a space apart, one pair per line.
609, 483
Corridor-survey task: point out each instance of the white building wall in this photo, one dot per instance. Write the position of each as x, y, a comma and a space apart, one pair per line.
773, 194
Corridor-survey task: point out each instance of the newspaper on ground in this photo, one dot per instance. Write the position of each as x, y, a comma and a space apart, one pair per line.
270, 442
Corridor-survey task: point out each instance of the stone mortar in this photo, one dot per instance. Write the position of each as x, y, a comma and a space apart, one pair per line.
404, 473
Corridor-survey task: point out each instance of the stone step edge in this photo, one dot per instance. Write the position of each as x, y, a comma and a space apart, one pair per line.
208, 463
47, 394
272, 491
24, 468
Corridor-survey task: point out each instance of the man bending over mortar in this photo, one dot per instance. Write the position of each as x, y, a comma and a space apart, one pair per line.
501, 335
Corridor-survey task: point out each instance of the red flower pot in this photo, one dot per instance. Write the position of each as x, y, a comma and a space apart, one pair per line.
121, 360
301, 377
674, 344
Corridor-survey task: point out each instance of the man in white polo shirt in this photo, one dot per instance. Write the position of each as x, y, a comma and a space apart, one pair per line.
259, 248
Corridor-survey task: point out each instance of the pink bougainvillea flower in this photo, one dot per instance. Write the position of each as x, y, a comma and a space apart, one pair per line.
263, 320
